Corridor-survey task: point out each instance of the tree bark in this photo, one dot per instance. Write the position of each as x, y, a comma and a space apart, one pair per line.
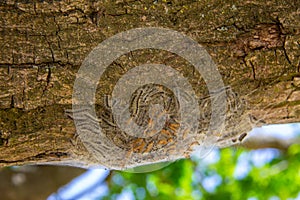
255, 45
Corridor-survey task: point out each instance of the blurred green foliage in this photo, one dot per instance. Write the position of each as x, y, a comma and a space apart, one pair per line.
231, 174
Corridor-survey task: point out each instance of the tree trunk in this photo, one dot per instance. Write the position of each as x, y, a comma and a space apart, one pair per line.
255, 45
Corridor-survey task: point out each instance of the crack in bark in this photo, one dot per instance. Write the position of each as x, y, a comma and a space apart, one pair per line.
253, 69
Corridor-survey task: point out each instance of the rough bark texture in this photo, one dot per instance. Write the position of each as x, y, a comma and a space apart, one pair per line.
255, 45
